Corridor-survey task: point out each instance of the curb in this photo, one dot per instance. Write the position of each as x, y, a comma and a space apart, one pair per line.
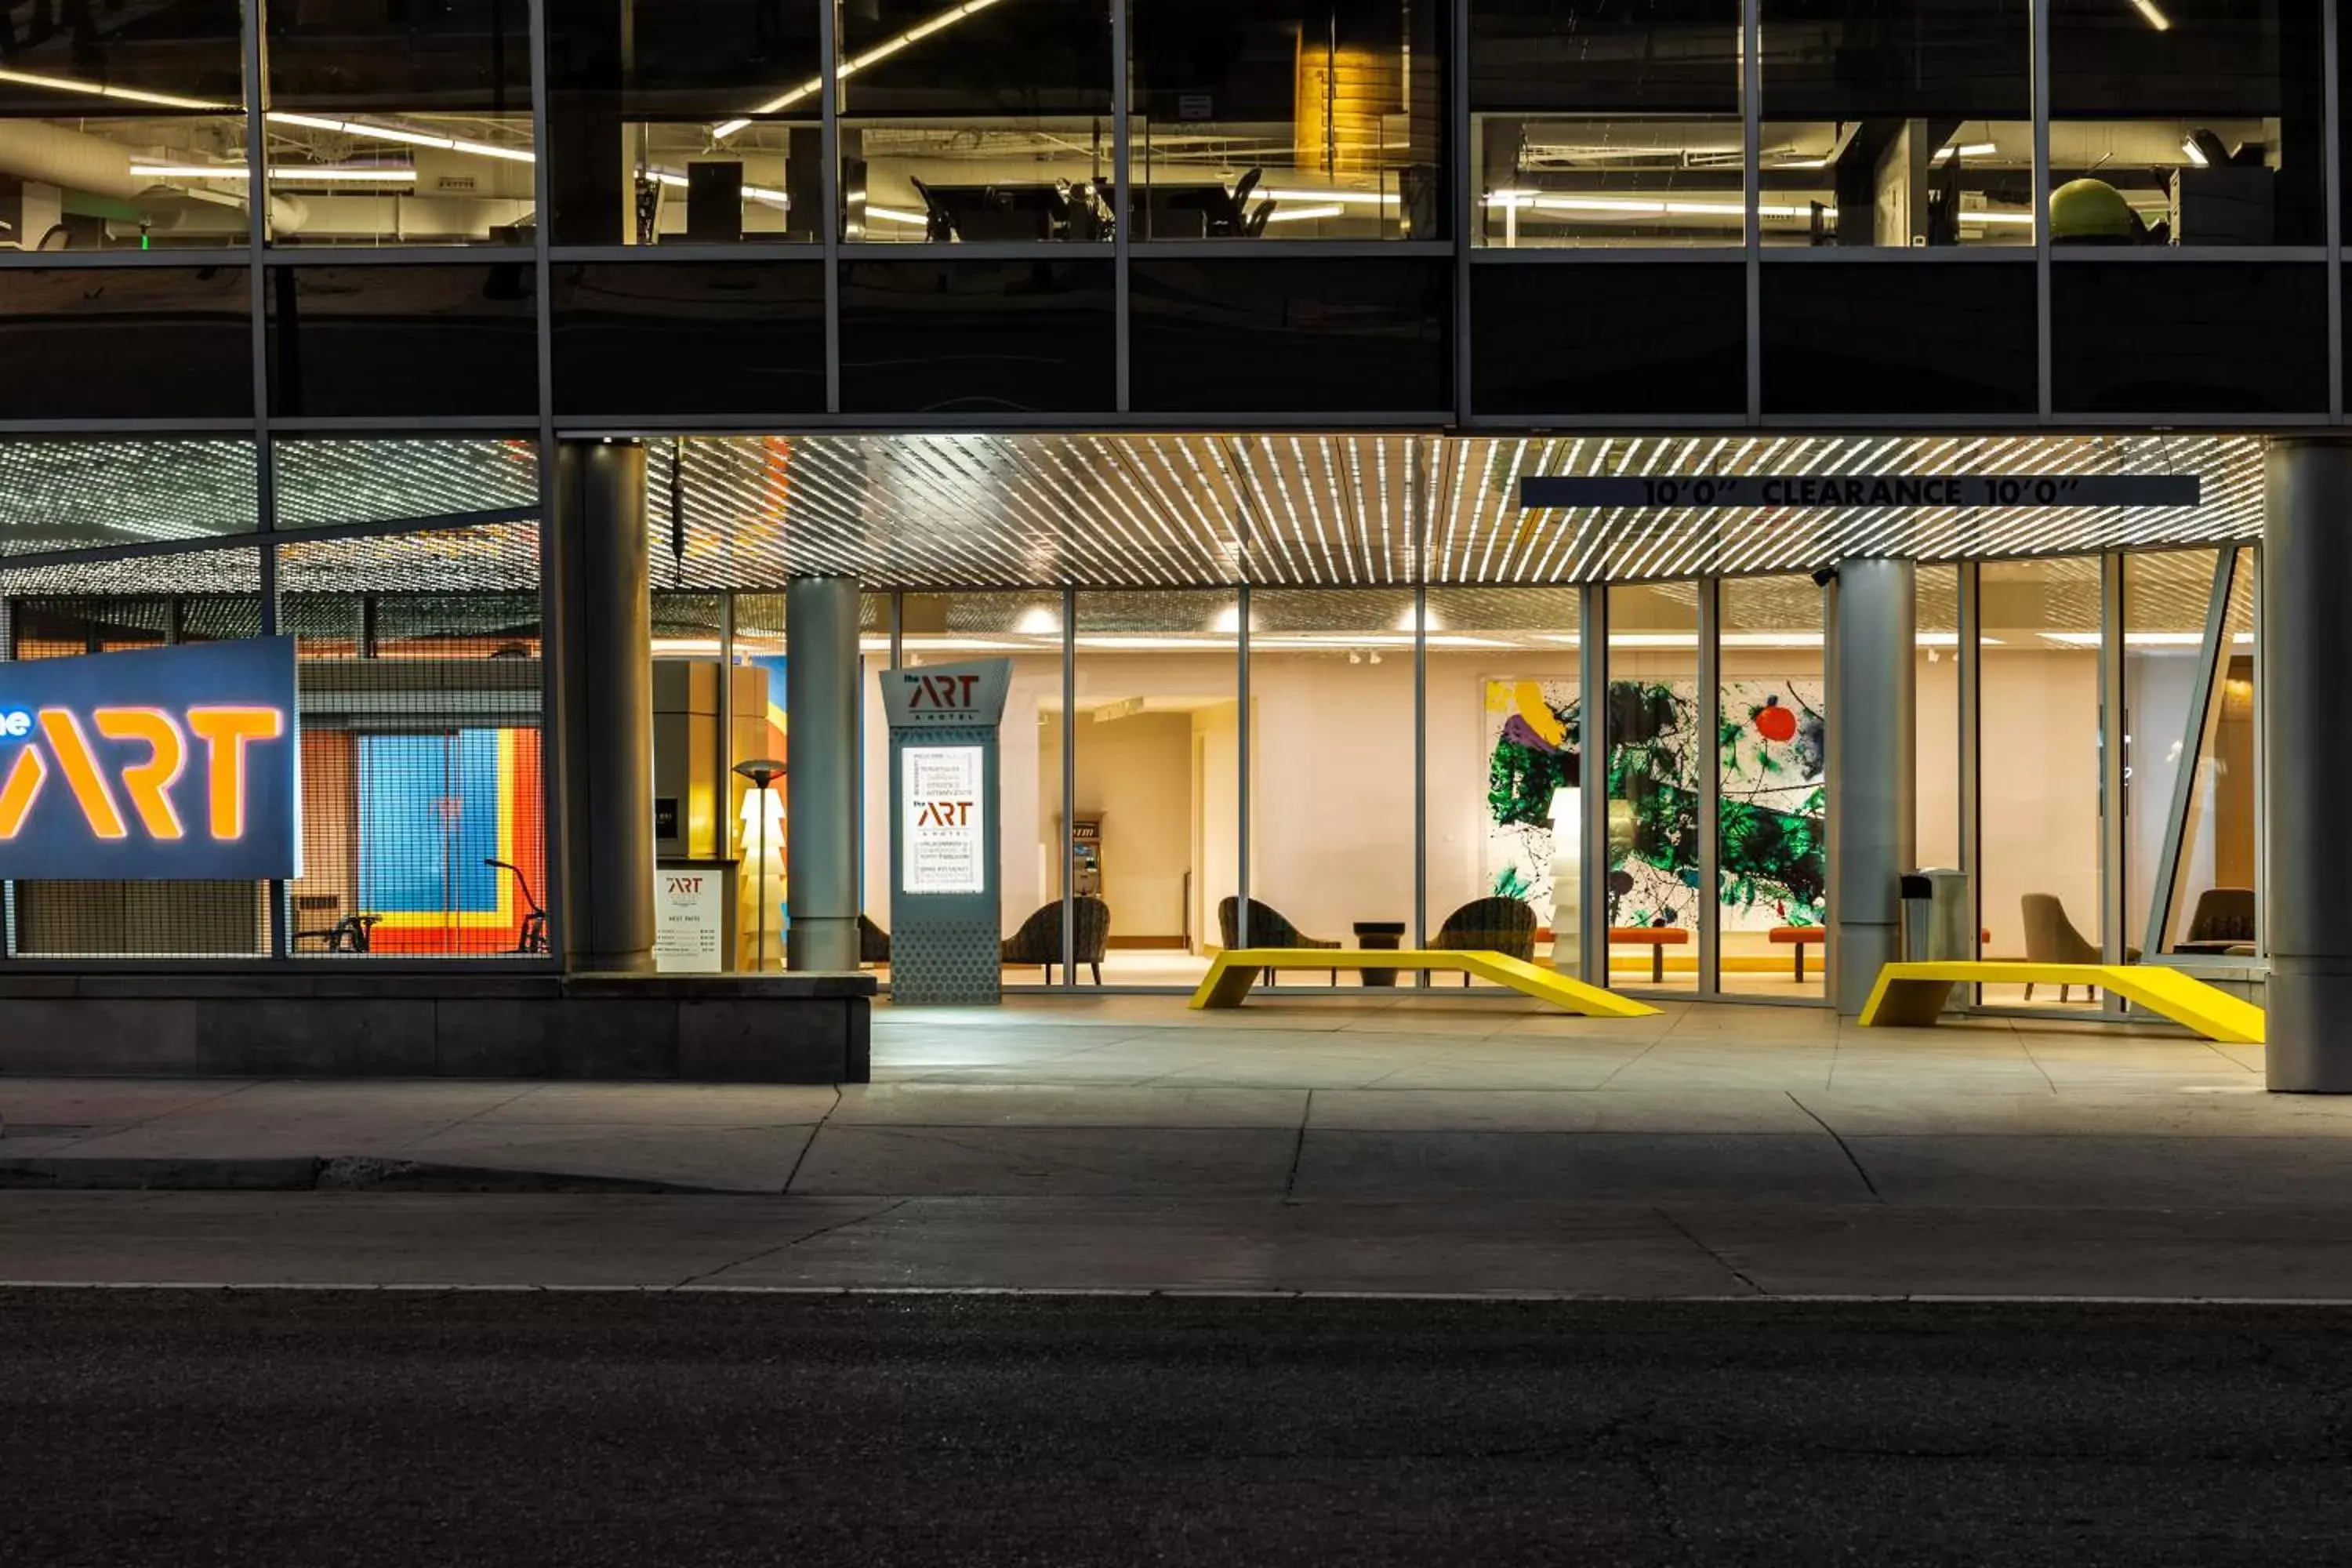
306, 1173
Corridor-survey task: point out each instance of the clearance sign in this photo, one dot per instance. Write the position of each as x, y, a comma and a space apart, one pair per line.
167, 764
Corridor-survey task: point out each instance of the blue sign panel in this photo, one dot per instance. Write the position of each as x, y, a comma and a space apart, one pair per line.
164, 765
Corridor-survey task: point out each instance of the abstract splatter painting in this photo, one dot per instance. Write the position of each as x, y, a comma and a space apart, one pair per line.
1770, 746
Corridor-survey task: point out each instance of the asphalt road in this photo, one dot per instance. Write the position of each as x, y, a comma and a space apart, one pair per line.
325, 1428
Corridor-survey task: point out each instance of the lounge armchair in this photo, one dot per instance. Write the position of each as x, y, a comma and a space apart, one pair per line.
2051, 938
2224, 918
1497, 924
1267, 928
1039, 939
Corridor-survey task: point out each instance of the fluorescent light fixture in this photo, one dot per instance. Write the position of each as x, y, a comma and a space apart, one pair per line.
329, 175
319, 173
486, 150
1351, 198
357, 128
847, 69
1634, 206
1301, 215
756, 193
2131, 639
892, 214
2156, 18
1038, 621
124, 94
1967, 150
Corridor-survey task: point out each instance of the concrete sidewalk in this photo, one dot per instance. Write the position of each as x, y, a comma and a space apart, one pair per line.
1316, 1100
2108, 1148
1323, 1144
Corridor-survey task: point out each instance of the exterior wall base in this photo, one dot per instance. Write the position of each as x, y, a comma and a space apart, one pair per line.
781, 1028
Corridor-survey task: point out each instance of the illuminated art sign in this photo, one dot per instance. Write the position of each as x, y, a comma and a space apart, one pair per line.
944, 847
165, 764
947, 696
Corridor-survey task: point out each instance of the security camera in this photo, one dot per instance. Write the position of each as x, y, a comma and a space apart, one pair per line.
1825, 576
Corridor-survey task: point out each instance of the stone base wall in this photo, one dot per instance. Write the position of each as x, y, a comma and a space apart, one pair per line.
781, 1028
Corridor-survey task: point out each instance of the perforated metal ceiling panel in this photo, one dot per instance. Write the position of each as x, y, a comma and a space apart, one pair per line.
1325, 510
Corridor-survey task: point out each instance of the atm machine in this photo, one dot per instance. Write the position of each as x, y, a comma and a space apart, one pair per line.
1085, 856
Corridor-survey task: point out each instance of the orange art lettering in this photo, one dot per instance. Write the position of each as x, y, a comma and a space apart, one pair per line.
149, 783
226, 732
72, 748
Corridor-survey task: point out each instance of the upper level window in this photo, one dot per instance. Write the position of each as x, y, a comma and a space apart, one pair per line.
988, 121
1606, 122
1896, 122
2193, 122
687, 122
1286, 119
115, 117
399, 124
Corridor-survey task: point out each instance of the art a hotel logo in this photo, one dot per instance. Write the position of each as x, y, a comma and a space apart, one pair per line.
165, 764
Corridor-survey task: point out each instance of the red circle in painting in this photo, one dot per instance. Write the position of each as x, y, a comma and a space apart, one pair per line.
1775, 722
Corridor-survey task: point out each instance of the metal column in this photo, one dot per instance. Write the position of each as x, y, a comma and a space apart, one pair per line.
821, 786
2306, 564
1593, 780
603, 646
1874, 807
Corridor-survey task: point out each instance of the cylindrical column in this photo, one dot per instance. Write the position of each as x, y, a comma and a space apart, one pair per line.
2306, 560
602, 645
821, 790
1873, 809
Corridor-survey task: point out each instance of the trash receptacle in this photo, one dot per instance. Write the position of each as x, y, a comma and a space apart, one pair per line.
1936, 916
1382, 936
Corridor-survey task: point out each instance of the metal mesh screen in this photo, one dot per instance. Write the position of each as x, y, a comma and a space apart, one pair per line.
82, 493
326, 481
60, 612
423, 825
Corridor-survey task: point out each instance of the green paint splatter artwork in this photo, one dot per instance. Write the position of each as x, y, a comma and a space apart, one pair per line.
1770, 746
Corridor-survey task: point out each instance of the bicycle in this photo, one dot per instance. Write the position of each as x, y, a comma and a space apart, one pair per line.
352, 933
532, 936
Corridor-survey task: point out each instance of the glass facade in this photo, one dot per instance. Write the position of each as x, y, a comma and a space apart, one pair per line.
1392, 763
486, 224
1488, 212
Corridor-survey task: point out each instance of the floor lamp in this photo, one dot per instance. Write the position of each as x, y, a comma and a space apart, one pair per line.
763, 772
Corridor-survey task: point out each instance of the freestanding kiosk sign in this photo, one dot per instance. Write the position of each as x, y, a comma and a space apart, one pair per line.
946, 909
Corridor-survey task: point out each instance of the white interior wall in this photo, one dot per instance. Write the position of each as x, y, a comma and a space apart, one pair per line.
1331, 770
1936, 759
1135, 775
2039, 788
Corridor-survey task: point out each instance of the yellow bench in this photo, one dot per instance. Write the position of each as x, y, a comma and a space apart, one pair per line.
1236, 970
1913, 994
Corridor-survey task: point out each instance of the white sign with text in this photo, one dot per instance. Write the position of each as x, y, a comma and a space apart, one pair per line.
945, 842
690, 918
